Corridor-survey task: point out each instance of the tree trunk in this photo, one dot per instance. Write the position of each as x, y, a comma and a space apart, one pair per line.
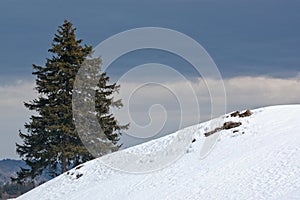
64, 164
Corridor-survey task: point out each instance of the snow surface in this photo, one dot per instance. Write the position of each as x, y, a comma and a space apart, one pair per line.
260, 161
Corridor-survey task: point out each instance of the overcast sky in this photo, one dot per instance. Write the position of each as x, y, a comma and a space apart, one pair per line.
255, 45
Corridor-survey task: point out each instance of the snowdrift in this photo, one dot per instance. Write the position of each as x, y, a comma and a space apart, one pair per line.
259, 159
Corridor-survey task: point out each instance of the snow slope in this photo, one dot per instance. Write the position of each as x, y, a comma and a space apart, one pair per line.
260, 161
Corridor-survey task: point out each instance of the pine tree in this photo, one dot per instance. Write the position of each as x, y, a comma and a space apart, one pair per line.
91, 106
52, 142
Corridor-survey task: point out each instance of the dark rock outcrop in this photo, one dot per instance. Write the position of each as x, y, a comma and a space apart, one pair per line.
247, 113
226, 126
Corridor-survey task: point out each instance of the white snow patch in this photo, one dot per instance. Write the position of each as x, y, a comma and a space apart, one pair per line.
260, 161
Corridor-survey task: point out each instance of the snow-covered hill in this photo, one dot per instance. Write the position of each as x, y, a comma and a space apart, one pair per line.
258, 160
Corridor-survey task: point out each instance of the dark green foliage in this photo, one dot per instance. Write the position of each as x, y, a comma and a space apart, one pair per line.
100, 102
52, 141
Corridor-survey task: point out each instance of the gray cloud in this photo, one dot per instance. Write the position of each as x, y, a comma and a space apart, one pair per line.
13, 114
246, 92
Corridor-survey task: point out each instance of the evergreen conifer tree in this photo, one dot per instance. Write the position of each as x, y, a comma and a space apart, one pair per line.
52, 142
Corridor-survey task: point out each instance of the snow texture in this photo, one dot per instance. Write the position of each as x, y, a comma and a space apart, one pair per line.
258, 160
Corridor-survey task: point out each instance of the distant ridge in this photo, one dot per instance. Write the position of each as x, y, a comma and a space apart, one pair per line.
9, 168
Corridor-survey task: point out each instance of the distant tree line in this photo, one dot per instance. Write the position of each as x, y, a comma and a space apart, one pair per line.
13, 190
